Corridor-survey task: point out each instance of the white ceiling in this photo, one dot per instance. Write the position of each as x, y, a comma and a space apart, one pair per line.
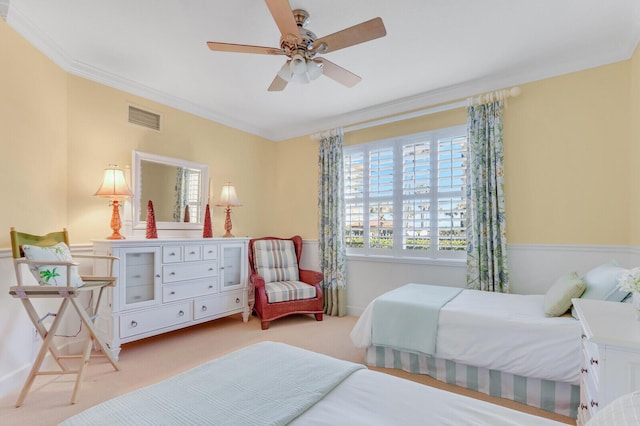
435, 51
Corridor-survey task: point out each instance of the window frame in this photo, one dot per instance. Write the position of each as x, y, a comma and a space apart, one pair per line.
397, 143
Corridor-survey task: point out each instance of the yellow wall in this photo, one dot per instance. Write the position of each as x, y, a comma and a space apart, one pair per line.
570, 148
99, 134
634, 157
566, 145
33, 138
567, 141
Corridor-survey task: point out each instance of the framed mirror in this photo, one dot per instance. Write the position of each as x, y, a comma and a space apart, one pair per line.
178, 189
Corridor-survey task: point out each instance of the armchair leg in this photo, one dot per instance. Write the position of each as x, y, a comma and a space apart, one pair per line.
318, 317
265, 324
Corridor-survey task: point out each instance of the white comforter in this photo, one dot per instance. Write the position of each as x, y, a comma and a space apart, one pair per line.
506, 332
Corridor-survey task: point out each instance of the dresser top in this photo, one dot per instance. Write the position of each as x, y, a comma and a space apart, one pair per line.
609, 323
136, 242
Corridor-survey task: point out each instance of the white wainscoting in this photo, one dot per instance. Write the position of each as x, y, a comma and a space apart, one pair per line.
533, 268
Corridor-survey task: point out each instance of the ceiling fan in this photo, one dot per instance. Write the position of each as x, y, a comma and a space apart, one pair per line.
301, 47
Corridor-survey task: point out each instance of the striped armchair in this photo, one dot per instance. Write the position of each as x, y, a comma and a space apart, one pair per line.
281, 287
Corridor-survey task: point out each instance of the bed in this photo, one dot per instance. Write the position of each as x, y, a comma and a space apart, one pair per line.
271, 383
496, 343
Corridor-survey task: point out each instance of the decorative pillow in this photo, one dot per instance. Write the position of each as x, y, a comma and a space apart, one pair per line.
275, 260
602, 284
53, 275
557, 300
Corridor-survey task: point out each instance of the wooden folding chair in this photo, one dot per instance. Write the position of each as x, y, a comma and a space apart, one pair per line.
69, 294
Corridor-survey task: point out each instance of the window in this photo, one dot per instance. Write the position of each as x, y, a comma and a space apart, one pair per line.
405, 196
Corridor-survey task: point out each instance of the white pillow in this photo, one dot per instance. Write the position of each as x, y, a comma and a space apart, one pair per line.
557, 300
602, 284
52, 275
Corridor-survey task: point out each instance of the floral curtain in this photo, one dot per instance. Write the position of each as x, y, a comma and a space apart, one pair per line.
180, 192
486, 232
331, 223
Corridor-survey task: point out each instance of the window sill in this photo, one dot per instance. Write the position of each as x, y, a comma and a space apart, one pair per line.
454, 263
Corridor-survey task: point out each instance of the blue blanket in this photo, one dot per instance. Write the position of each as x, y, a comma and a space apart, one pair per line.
407, 318
263, 384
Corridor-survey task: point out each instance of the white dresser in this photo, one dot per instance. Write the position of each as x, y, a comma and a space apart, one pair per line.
167, 284
610, 364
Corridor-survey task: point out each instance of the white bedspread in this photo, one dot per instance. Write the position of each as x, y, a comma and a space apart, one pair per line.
372, 398
506, 332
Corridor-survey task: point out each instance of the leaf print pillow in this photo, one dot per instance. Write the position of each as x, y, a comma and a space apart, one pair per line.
53, 275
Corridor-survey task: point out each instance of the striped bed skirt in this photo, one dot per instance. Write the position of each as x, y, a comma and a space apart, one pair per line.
557, 397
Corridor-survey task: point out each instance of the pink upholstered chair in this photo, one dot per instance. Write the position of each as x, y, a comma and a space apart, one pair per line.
281, 287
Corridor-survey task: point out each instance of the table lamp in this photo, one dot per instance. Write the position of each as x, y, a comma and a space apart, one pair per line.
228, 199
114, 186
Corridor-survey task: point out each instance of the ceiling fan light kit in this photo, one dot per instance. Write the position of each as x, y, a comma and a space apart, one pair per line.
301, 46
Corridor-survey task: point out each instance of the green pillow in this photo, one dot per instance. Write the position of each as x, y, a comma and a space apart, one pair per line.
557, 300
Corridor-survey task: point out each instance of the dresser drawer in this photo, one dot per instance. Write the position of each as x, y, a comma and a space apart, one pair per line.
172, 254
172, 292
188, 271
218, 304
192, 253
209, 252
154, 319
591, 361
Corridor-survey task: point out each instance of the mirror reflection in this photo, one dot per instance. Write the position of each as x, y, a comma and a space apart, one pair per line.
176, 187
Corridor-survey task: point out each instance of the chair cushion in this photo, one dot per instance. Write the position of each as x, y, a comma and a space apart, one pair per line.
284, 291
52, 275
275, 260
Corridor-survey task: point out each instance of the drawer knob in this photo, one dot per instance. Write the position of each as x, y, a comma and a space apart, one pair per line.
157, 275
583, 370
172, 293
593, 361
583, 336
181, 313
172, 273
211, 269
204, 308
172, 254
594, 403
210, 286
237, 300
136, 276
584, 406
134, 324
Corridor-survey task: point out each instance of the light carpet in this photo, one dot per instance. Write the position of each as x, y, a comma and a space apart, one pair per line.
156, 358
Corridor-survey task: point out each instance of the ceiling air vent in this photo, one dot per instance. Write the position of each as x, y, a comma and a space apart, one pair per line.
147, 119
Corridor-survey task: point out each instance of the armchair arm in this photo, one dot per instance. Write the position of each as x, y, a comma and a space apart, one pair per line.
310, 277
256, 280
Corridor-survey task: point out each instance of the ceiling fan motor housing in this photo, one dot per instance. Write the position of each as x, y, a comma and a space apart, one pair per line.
304, 44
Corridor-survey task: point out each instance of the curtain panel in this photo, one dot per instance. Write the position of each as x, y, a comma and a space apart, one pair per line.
486, 230
331, 223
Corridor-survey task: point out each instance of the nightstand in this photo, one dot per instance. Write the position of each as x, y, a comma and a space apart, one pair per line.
610, 364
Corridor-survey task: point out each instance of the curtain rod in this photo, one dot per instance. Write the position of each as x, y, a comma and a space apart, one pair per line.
484, 98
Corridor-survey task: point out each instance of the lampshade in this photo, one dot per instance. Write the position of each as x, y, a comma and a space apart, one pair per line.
114, 184
228, 196
300, 70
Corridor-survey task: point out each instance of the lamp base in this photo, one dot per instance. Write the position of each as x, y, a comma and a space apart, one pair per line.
227, 223
115, 222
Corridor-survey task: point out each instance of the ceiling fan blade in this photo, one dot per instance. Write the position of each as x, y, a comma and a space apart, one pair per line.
338, 73
360, 33
283, 15
243, 48
277, 84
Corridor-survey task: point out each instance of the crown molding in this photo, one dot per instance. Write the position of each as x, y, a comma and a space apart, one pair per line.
420, 101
